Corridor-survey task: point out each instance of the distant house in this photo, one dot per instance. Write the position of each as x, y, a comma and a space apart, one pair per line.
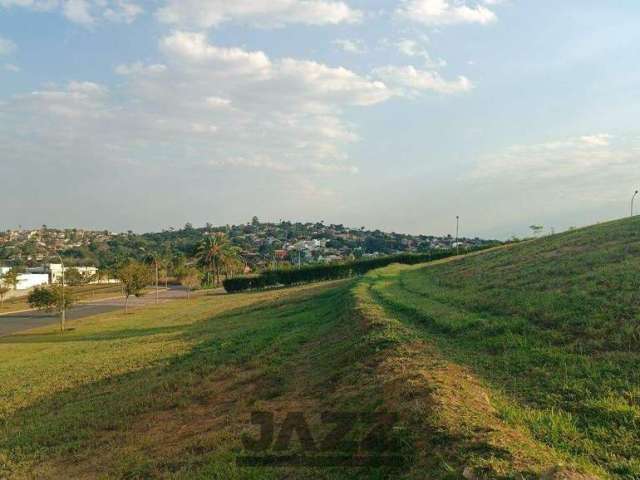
28, 280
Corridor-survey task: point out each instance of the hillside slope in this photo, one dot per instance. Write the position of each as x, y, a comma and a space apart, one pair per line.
552, 327
519, 363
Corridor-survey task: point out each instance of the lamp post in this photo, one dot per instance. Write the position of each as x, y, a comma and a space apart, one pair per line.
457, 233
632, 199
64, 306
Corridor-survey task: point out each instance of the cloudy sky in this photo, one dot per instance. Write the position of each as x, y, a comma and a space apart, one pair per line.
391, 114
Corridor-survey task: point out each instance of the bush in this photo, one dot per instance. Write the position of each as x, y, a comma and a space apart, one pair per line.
42, 298
287, 277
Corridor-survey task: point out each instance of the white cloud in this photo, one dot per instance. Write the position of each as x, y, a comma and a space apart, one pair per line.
195, 49
140, 68
40, 5
83, 12
445, 12
77, 11
122, 12
351, 46
10, 67
561, 160
598, 140
411, 81
210, 13
76, 101
264, 162
217, 102
204, 106
7, 46
412, 48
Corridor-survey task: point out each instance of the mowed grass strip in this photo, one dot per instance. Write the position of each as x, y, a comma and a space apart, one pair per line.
166, 392
553, 324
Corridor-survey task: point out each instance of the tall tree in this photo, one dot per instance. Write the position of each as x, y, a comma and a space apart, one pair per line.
135, 277
216, 253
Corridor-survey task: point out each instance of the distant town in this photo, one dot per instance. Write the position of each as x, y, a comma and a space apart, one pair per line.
261, 245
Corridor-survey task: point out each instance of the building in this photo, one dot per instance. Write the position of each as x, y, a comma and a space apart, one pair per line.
28, 280
55, 272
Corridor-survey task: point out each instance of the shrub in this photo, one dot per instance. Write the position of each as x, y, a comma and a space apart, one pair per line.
50, 298
42, 298
287, 277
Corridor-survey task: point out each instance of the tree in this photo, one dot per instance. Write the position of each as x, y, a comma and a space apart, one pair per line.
135, 276
41, 298
536, 229
50, 298
11, 278
190, 278
73, 277
216, 253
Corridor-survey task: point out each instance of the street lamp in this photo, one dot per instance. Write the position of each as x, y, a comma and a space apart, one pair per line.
64, 306
457, 233
632, 199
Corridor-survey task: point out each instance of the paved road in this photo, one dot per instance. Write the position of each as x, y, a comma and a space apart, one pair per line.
17, 322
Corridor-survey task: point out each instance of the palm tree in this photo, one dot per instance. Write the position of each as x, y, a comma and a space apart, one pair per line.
217, 254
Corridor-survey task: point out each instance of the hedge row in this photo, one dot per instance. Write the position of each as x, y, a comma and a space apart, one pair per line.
316, 273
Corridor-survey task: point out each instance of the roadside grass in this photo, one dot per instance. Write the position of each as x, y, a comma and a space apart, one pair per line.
552, 325
81, 293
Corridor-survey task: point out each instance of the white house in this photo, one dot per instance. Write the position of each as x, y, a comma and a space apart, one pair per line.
28, 280
55, 271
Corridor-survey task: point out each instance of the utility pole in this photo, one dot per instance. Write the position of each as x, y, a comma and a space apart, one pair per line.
457, 233
632, 199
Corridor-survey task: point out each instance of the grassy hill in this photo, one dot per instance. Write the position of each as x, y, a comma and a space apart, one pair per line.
553, 329
521, 362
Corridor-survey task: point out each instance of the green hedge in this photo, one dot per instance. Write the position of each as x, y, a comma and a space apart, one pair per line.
316, 273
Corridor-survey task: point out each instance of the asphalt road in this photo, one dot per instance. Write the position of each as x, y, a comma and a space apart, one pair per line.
17, 322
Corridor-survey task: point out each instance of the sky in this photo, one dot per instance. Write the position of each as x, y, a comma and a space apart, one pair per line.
391, 114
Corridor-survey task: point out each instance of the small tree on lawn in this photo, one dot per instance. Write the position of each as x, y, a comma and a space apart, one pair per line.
11, 278
50, 298
190, 278
135, 276
41, 298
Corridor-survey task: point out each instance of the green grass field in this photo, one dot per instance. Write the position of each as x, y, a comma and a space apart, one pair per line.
516, 363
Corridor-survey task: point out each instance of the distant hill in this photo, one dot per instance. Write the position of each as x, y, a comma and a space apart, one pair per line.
261, 243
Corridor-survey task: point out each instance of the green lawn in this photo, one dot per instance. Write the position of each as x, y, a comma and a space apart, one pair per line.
519, 363
167, 391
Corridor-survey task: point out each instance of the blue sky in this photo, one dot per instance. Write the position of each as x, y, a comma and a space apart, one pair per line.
392, 114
